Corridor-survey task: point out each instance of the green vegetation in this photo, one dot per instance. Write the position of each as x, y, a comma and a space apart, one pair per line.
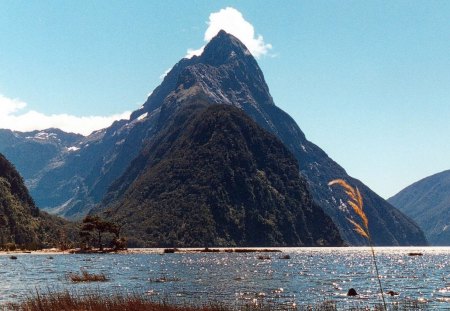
94, 227
22, 225
213, 177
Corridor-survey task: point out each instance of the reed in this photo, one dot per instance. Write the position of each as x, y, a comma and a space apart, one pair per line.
362, 225
85, 276
96, 301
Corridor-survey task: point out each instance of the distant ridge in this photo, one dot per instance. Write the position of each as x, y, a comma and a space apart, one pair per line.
427, 201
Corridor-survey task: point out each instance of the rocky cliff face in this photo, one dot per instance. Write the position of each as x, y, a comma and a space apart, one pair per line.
226, 73
428, 202
213, 177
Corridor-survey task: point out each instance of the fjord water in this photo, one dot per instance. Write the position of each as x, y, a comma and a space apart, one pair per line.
311, 275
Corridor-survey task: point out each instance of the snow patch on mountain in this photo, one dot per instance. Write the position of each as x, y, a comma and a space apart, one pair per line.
142, 116
72, 149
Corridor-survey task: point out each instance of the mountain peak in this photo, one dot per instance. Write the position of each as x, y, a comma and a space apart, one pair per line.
225, 73
226, 53
223, 48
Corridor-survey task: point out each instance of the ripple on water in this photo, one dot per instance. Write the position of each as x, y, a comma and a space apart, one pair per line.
311, 275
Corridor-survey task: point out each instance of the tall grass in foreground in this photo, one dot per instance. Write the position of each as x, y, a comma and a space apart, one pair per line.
95, 301
362, 228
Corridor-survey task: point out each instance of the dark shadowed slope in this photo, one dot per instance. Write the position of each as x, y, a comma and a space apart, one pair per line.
428, 203
213, 177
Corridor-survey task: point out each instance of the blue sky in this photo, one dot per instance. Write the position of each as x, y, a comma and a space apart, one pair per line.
367, 81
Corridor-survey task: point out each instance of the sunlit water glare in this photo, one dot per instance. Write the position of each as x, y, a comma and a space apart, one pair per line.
311, 275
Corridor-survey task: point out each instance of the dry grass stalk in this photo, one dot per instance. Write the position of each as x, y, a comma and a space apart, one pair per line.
95, 301
356, 202
87, 277
101, 302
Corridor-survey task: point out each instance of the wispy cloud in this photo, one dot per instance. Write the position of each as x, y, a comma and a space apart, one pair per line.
14, 115
233, 22
163, 75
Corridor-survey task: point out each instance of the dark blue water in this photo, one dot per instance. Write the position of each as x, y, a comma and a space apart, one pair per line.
311, 275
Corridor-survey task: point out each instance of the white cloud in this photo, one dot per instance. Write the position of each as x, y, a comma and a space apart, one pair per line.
193, 52
9, 106
14, 116
233, 22
163, 75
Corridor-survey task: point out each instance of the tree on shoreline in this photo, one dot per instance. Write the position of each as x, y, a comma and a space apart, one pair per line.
94, 225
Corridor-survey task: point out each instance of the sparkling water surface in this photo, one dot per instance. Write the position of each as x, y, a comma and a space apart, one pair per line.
310, 276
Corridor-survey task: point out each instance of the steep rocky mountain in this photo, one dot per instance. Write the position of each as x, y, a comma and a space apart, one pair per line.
213, 177
226, 73
428, 203
32, 152
21, 222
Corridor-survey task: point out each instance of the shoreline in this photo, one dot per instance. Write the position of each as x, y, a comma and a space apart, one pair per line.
55, 251
137, 251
